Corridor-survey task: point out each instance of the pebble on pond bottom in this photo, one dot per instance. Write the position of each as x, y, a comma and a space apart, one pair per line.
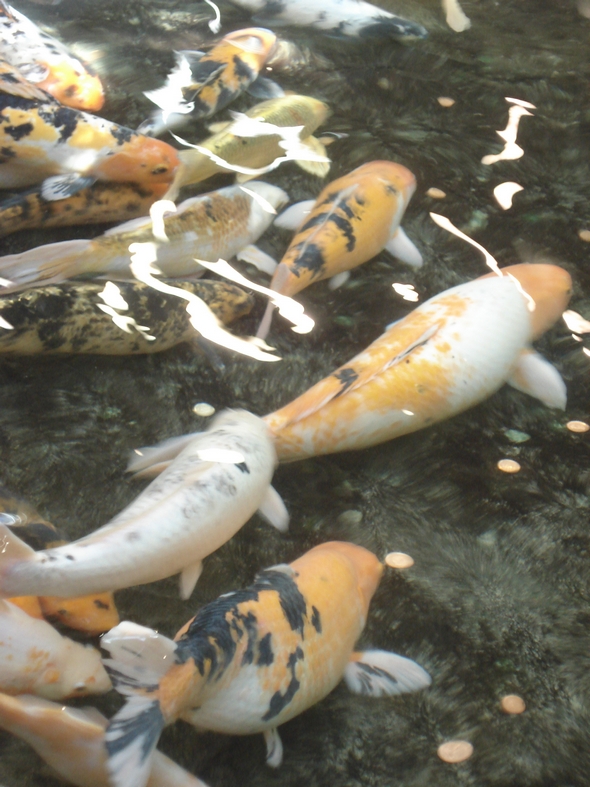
399, 560
584, 235
455, 751
508, 466
577, 426
512, 703
203, 409
436, 193
445, 101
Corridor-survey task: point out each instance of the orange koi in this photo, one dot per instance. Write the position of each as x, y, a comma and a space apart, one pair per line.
447, 355
352, 220
45, 62
252, 659
201, 85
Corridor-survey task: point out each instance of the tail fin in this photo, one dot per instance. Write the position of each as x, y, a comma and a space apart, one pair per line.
48, 264
140, 658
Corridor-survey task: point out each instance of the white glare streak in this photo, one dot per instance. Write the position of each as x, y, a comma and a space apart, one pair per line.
111, 295
6, 282
170, 98
288, 308
157, 212
586, 351
126, 323
446, 224
214, 24
456, 19
407, 412
223, 455
520, 103
505, 192
407, 291
575, 322
5, 324
577, 338
511, 149
264, 203
200, 315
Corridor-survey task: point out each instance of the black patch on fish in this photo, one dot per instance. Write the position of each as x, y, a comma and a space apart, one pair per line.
10, 78
316, 620
100, 604
265, 654
20, 131
273, 8
203, 72
392, 27
243, 467
209, 212
5, 155
243, 70
63, 119
8, 101
346, 377
250, 624
37, 534
146, 725
122, 134
365, 680
312, 259
279, 701
345, 228
209, 640
290, 597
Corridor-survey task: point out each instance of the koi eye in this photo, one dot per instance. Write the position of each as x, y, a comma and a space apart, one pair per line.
80, 687
159, 170
70, 91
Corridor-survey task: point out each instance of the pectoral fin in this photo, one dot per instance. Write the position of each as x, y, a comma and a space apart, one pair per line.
157, 454
274, 511
378, 673
318, 168
61, 186
264, 88
274, 747
400, 246
255, 256
295, 215
536, 377
188, 578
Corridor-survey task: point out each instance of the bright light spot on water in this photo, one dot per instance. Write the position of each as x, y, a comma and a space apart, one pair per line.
511, 150
224, 455
5, 324
111, 295
520, 103
264, 203
157, 211
407, 291
214, 24
575, 322
505, 192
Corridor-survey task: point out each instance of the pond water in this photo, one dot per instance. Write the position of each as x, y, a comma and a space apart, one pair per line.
498, 599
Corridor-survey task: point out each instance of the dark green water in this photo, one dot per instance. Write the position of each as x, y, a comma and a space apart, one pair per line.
498, 601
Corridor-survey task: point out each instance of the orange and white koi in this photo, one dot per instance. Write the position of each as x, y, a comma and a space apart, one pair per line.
71, 741
252, 659
46, 62
211, 226
68, 150
92, 614
214, 486
201, 85
447, 355
352, 220
36, 659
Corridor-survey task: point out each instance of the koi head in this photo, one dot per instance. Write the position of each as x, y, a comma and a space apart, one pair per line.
258, 42
365, 564
70, 84
93, 614
140, 160
548, 286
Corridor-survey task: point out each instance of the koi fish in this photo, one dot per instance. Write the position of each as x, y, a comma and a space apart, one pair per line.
212, 488
46, 62
449, 354
35, 659
92, 614
211, 226
68, 150
341, 18
245, 150
200, 85
71, 318
100, 203
252, 659
71, 741
352, 220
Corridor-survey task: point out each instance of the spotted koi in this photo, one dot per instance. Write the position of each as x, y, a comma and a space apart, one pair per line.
253, 658
45, 62
447, 355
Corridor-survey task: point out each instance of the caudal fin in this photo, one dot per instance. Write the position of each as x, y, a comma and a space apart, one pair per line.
140, 659
47, 264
